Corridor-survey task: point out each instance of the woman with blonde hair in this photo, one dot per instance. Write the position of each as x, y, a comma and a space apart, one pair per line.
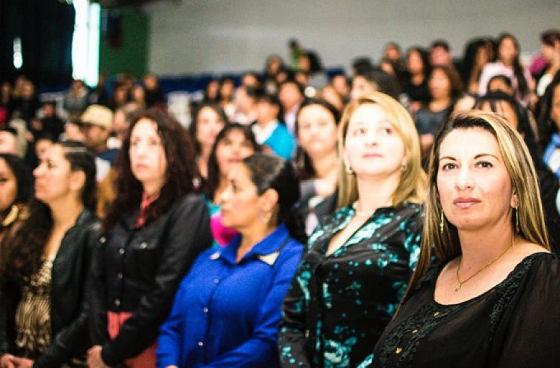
485, 292
357, 264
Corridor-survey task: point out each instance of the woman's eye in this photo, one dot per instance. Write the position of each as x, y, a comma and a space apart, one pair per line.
359, 132
484, 164
448, 166
387, 131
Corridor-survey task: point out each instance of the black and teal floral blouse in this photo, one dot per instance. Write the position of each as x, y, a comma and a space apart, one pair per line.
340, 303
516, 324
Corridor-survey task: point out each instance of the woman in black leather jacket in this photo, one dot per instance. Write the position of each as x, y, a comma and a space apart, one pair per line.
43, 272
152, 234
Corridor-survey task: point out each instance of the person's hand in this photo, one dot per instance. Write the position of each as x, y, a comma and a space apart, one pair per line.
7, 361
94, 359
23, 362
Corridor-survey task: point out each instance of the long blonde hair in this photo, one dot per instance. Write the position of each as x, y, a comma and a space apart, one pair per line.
524, 181
412, 185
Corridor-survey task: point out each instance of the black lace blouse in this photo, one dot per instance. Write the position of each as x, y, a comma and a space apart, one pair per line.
514, 324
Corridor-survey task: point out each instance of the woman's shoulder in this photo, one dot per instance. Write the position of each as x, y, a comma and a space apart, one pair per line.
539, 260
190, 202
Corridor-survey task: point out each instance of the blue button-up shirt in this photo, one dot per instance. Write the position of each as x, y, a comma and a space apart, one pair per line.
225, 313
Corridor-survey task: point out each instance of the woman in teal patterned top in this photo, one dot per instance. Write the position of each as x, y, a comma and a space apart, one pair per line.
357, 264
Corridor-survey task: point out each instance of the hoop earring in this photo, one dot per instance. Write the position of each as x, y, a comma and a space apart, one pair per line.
441, 222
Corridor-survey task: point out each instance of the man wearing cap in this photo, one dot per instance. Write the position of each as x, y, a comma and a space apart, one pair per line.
97, 121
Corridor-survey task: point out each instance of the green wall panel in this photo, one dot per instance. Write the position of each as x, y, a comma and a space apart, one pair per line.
130, 55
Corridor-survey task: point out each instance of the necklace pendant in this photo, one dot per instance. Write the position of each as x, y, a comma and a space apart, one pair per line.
458, 288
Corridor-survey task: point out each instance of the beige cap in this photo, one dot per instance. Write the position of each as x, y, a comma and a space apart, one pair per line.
98, 115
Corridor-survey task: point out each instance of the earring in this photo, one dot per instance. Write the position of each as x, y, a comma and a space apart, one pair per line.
349, 170
403, 167
516, 214
441, 223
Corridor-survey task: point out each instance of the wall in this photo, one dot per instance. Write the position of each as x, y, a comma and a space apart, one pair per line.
192, 36
132, 54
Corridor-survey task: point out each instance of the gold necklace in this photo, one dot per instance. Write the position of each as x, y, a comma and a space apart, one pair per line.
483, 268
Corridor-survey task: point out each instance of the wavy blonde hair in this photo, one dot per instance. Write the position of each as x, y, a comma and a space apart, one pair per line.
412, 185
524, 181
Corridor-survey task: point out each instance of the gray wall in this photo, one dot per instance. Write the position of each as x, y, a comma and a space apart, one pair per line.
193, 36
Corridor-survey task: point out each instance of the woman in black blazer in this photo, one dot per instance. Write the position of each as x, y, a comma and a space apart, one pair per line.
44, 265
153, 232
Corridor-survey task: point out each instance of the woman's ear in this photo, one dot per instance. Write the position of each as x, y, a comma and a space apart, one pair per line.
269, 199
77, 180
514, 203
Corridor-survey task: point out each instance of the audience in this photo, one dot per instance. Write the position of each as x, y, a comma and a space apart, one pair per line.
165, 191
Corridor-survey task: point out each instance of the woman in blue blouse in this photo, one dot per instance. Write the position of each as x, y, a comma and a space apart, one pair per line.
357, 264
227, 310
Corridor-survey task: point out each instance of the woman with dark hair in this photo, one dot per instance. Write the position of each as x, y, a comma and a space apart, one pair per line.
234, 143
508, 64
368, 81
226, 95
519, 119
415, 83
227, 310
357, 264
207, 122
272, 67
45, 265
549, 123
445, 89
316, 130
501, 83
16, 190
153, 232
212, 92
478, 53
550, 49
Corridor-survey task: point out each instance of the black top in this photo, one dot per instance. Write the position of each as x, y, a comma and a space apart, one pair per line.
68, 307
138, 270
340, 303
417, 92
514, 324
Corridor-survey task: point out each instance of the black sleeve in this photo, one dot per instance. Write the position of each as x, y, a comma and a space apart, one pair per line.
72, 340
9, 297
529, 333
292, 335
96, 295
187, 234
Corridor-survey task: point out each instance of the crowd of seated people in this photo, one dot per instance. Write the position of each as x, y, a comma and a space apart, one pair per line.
406, 214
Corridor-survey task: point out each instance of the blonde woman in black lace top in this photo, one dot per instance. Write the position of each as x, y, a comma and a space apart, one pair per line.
491, 299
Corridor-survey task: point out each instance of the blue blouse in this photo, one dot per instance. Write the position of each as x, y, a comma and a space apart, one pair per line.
281, 142
226, 314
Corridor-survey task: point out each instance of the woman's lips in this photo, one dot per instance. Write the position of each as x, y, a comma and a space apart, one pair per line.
372, 155
465, 202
